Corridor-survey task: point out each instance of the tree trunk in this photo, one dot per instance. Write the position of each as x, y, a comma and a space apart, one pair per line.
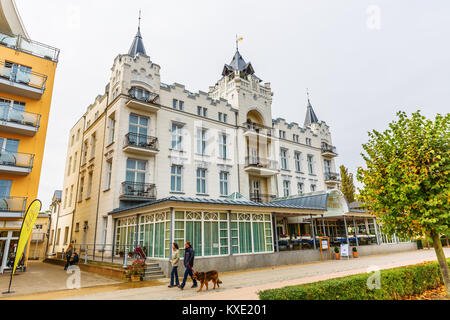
442, 260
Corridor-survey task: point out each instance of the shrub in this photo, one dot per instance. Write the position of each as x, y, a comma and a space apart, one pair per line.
395, 283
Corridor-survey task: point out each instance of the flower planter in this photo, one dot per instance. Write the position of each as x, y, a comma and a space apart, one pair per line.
355, 254
337, 256
135, 278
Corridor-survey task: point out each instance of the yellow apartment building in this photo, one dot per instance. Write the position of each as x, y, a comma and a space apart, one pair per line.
27, 71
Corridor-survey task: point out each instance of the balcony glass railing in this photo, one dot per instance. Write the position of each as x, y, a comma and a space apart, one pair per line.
11, 114
332, 176
12, 204
142, 141
16, 159
22, 75
29, 46
139, 190
261, 163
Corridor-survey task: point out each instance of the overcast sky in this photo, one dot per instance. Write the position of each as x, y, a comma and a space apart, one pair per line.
361, 60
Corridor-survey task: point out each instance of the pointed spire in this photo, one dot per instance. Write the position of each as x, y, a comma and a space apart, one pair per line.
138, 45
310, 114
238, 63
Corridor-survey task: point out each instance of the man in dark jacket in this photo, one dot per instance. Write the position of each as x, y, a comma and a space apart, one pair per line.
188, 264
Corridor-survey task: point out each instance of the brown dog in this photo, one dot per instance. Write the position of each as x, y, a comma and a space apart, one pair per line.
205, 277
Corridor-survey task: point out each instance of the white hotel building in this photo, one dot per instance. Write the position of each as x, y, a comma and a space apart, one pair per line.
151, 163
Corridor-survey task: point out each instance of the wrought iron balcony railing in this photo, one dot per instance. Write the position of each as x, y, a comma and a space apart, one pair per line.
261, 163
328, 148
142, 141
143, 95
13, 204
10, 114
139, 190
260, 197
22, 75
16, 159
257, 128
332, 176
19, 43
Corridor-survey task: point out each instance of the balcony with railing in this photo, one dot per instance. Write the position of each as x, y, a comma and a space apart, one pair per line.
32, 47
138, 191
332, 177
260, 197
256, 129
261, 166
15, 162
12, 207
20, 80
328, 151
17, 121
140, 144
143, 100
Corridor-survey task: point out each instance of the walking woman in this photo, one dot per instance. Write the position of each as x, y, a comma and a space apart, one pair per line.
68, 255
175, 262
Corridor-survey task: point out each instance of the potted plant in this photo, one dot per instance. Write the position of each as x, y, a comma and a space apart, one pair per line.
337, 255
136, 271
355, 252
130, 254
121, 253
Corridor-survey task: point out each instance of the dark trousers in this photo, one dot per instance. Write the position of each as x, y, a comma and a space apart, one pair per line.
187, 272
67, 263
174, 274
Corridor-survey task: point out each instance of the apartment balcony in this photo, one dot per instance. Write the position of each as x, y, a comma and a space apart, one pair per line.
260, 197
253, 129
141, 144
143, 101
16, 162
37, 237
328, 151
261, 167
17, 121
12, 207
138, 191
32, 47
332, 178
19, 80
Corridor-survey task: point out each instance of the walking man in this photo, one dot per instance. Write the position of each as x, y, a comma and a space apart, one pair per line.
188, 264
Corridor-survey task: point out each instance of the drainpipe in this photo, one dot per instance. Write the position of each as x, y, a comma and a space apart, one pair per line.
99, 184
172, 230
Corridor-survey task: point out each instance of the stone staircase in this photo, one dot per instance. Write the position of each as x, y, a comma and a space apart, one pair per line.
153, 271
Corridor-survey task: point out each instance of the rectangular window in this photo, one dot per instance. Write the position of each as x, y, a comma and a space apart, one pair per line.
310, 164
297, 157
65, 197
308, 141
71, 195
295, 137
223, 179
180, 105
299, 188
72, 140
223, 146
85, 152
201, 141
284, 161
201, 111
282, 134
93, 145
176, 178
136, 170
78, 134
89, 187
66, 235
201, 181
327, 166
80, 193
74, 162
251, 233
313, 187
177, 137
5, 188
58, 236
70, 163
175, 103
108, 174
286, 184
219, 117
225, 116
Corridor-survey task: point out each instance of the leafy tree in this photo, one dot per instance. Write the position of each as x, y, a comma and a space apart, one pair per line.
347, 186
406, 183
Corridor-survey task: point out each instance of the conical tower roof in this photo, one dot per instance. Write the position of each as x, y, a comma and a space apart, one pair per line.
310, 115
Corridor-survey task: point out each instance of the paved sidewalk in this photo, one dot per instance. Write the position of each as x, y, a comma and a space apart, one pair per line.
45, 277
245, 284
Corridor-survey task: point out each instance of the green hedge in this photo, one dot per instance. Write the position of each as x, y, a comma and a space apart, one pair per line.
395, 283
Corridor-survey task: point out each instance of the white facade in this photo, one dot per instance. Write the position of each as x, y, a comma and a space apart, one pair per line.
233, 146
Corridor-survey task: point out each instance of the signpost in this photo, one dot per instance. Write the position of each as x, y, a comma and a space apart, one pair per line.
344, 250
324, 246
